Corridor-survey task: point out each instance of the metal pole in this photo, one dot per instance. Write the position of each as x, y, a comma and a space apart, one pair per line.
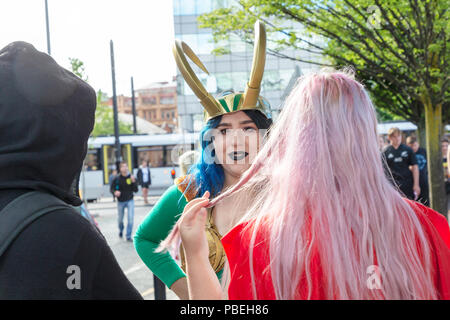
133, 107
48, 28
160, 288
116, 116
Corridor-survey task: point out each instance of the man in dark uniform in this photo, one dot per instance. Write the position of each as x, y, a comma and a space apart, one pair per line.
46, 116
402, 163
421, 156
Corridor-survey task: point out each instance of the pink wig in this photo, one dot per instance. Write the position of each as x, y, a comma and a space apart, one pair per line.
322, 190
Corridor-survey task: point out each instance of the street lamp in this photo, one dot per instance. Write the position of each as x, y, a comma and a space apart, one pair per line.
116, 116
48, 28
133, 107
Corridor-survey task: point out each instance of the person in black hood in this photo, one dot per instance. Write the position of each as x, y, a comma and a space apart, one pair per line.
46, 116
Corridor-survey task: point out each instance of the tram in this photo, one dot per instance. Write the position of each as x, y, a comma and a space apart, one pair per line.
160, 150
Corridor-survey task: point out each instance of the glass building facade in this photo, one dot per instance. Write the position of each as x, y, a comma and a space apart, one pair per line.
229, 71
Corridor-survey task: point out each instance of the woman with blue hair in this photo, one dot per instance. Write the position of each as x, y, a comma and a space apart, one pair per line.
230, 140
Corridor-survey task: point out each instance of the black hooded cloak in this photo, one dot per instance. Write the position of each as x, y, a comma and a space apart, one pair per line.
46, 116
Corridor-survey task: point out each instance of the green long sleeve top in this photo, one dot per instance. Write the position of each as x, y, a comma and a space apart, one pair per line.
155, 228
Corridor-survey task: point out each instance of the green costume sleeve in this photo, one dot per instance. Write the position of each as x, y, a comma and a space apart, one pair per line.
155, 228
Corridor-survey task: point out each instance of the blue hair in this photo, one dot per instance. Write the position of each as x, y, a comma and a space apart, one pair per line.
208, 176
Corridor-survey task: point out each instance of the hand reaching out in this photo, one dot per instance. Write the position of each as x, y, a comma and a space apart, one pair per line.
202, 280
192, 227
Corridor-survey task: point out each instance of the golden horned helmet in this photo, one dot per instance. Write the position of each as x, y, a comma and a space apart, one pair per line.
232, 102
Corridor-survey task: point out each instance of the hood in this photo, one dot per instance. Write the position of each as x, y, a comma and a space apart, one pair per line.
46, 116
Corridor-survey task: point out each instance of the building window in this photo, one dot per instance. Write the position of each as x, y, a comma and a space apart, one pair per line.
271, 80
285, 77
191, 40
187, 7
167, 100
224, 82
149, 100
203, 6
153, 154
205, 43
217, 4
240, 80
176, 7
236, 44
91, 161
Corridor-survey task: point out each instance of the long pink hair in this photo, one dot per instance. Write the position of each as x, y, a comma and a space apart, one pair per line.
322, 188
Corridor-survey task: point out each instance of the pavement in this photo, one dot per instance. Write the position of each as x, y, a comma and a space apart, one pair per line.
105, 213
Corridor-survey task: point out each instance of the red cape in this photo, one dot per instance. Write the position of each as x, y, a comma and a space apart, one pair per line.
237, 241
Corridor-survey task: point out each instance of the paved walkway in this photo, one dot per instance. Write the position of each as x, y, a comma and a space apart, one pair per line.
105, 213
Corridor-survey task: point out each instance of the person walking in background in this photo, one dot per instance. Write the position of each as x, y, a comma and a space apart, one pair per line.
382, 142
144, 178
402, 163
445, 162
421, 156
123, 187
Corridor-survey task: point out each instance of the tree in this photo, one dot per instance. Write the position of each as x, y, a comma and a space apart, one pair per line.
397, 47
104, 115
78, 68
104, 119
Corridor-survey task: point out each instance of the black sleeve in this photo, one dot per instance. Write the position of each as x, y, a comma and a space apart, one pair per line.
385, 164
112, 187
62, 256
109, 281
139, 176
412, 157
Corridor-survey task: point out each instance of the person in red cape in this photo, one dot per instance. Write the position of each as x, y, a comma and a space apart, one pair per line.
322, 221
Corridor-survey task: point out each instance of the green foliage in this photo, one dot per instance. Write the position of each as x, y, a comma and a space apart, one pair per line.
104, 119
104, 115
398, 48
78, 68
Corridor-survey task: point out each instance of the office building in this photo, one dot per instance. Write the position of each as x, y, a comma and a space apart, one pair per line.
229, 71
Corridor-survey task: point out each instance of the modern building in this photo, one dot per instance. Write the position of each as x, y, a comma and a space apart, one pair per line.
230, 71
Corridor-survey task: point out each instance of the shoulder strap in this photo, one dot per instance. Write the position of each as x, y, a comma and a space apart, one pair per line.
23, 210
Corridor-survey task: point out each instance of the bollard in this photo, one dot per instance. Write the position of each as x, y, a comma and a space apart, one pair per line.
160, 288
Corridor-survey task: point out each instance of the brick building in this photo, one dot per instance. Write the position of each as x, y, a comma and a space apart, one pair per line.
156, 103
